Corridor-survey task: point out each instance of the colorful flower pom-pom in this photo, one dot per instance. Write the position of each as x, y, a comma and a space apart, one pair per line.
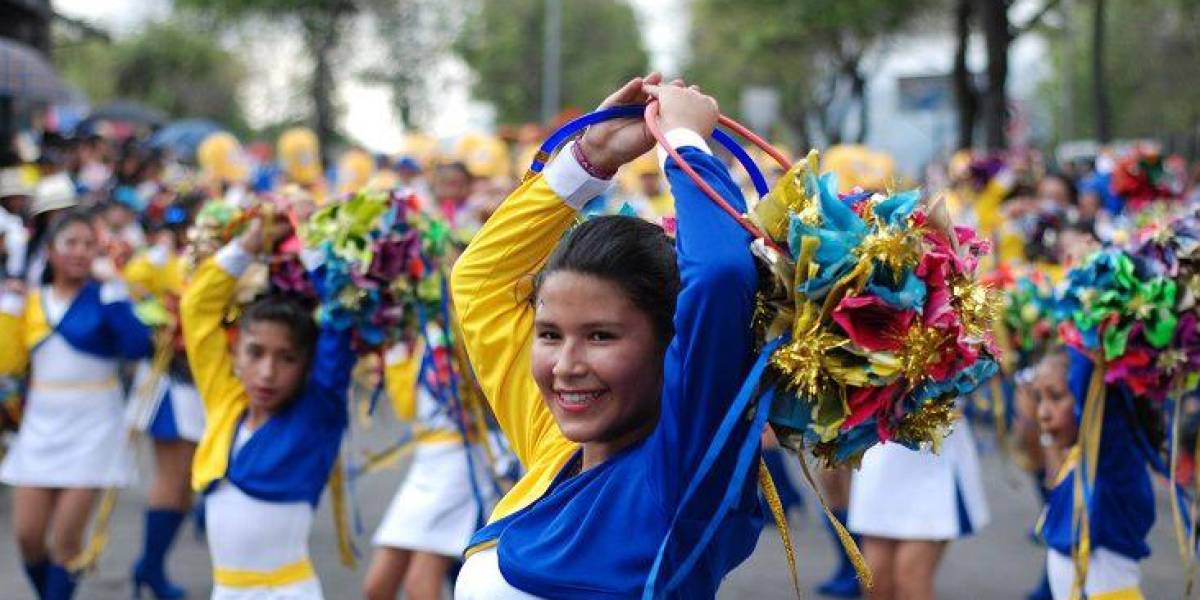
888, 322
382, 257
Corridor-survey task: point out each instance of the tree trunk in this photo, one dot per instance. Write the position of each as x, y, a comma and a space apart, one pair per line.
994, 19
858, 93
1099, 86
966, 95
321, 36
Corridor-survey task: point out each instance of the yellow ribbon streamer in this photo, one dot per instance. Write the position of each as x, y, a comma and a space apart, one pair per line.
1085, 475
771, 493
851, 548
341, 523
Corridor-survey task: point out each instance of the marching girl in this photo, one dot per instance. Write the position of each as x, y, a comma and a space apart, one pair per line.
71, 335
167, 407
608, 393
275, 408
438, 508
1122, 503
904, 542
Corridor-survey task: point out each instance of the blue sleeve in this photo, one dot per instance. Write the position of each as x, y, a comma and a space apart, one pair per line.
133, 339
710, 355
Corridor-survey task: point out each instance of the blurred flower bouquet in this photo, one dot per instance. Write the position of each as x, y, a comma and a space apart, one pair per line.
887, 321
382, 273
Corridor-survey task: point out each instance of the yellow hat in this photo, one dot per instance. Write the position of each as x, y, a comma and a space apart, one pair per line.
354, 170
485, 155
299, 154
628, 175
857, 166
421, 147
222, 159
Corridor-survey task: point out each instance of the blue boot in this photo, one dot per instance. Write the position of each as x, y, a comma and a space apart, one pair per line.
1042, 591
150, 570
60, 583
844, 583
37, 576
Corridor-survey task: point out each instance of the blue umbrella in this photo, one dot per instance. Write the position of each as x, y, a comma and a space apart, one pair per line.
25, 74
184, 136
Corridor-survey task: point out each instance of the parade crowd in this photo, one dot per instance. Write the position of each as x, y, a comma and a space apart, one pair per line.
605, 373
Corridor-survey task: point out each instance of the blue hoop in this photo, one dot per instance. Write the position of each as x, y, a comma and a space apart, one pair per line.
570, 128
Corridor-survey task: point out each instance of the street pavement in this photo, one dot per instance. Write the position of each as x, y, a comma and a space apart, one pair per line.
998, 563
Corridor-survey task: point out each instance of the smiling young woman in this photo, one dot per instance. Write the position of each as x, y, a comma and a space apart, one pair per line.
612, 381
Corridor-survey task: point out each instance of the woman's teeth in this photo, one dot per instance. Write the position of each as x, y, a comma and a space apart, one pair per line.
578, 397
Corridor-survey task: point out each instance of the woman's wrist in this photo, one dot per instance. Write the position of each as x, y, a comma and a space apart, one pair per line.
592, 157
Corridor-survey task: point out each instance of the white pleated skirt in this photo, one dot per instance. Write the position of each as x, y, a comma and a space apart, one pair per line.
436, 510
73, 432
906, 494
165, 408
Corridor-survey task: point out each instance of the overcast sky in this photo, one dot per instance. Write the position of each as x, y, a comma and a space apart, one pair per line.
369, 117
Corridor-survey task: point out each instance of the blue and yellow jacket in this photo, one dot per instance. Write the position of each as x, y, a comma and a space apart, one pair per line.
596, 534
290, 457
1121, 511
91, 325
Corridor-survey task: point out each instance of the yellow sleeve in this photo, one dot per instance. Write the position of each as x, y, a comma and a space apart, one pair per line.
491, 287
400, 379
201, 311
142, 277
15, 357
987, 207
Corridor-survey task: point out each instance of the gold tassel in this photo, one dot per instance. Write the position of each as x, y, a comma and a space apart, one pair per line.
851, 548
341, 523
781, 523
1091, 425
86, 560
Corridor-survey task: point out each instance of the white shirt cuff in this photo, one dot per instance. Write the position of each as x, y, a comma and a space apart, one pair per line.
571, 182
312, 258
234, 259
678, 138
12, 304
113, 290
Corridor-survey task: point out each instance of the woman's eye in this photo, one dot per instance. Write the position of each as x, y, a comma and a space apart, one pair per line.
601, 336
547, 335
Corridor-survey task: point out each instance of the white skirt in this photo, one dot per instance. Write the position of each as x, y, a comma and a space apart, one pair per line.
304, 590
71, 438
917, 495
435, 510
1107, 572
166, 409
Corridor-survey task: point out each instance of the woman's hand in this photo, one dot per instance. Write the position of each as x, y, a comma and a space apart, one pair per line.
610, 144
680, 107
254, 241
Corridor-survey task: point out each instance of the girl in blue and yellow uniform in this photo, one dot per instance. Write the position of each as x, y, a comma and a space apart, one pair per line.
165, 404
438, 508
609, 390
276, 410
71, 335
1121, 510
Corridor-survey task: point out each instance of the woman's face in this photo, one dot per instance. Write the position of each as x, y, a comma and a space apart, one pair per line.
596, 360
1055, 403
269, 364
72, 252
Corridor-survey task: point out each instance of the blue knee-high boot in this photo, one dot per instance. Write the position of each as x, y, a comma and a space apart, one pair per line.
150, 570
60, 583
844, 583
37, 576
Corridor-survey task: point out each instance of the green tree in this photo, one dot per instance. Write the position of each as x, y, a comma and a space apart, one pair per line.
322, 23
168, 65
502, 43
1150, 57
813, 52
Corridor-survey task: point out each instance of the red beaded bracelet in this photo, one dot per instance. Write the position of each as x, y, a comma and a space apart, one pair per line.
582, 159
